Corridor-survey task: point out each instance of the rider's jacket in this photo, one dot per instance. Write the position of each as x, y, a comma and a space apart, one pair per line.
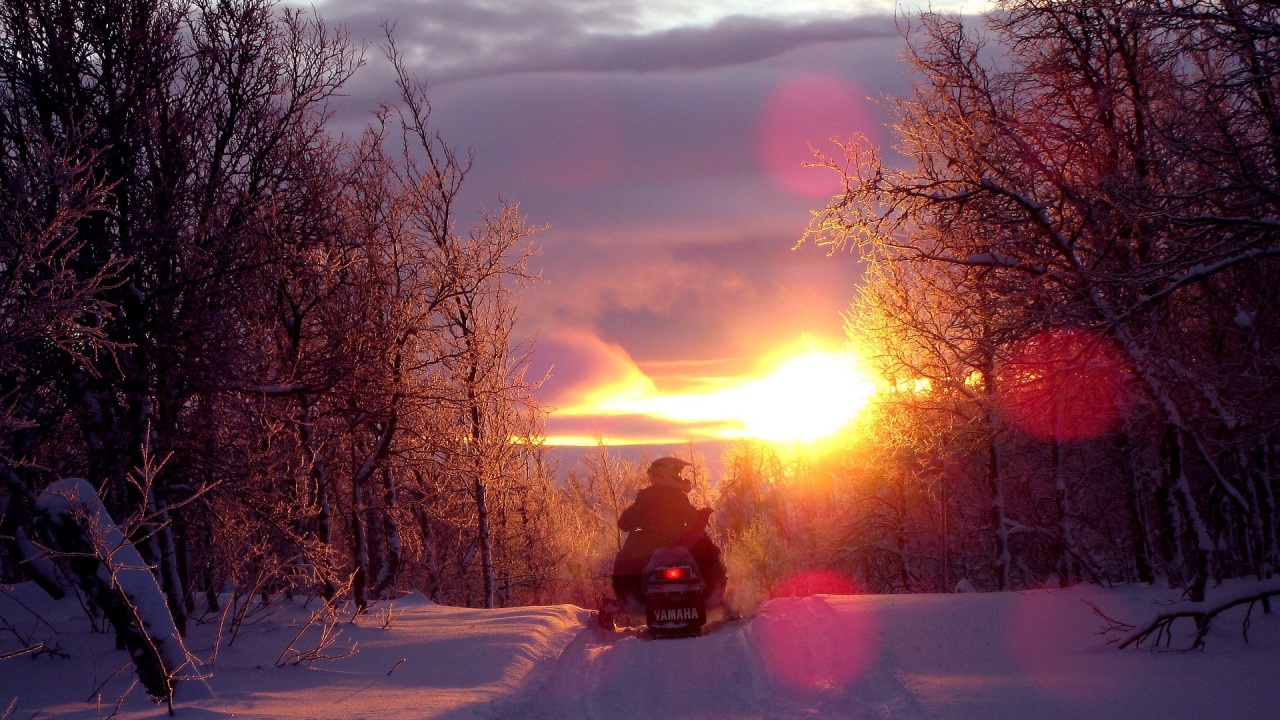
660, 516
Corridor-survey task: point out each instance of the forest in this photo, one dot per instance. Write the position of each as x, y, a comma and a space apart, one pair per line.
282, 356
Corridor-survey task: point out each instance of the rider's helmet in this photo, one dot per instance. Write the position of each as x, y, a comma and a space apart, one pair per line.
666, 471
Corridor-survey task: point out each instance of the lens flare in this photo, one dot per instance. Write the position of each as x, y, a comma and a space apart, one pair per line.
1066, 384
807, 643
813, 582
807, 111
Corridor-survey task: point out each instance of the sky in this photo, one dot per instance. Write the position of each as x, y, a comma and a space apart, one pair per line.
958, 656
662, 145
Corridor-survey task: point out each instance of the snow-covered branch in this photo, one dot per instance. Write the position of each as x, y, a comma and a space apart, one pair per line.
112, 573
1199, 272
1159, 629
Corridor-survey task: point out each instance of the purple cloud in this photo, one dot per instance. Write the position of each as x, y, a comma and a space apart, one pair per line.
465, 39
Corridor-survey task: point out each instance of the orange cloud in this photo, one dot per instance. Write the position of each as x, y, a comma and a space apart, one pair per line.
582, 368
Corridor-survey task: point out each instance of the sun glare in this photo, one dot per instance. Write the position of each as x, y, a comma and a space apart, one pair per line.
808, 397
802, 397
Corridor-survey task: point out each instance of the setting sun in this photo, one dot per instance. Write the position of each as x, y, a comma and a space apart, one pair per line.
808, 397
797, 396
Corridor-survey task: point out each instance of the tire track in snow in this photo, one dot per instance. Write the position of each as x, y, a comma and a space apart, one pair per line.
795, 658
601, 677
823, 658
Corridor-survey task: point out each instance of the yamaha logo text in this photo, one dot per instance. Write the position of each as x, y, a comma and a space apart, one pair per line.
670, 614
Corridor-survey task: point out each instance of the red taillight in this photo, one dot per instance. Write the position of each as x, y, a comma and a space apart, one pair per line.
674, 573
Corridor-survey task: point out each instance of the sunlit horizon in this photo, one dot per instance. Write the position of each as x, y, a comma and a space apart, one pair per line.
796, 395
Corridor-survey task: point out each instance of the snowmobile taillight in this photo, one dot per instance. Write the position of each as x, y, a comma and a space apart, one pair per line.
674, 573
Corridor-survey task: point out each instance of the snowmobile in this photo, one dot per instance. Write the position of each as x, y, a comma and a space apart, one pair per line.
674, 594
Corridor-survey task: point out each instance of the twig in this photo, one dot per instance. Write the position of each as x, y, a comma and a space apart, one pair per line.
28, 640
1112, 625
97, 692
388, 615
33, 649
329, 634
119, 701
29, 610
393, 668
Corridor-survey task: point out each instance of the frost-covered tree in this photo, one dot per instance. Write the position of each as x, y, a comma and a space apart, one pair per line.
1095, 183
299, 320
53, 316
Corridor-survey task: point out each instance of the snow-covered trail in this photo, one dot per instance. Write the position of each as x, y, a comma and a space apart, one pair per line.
981, 656
796, 658
987, 656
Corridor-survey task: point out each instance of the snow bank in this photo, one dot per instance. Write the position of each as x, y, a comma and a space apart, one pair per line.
973, 656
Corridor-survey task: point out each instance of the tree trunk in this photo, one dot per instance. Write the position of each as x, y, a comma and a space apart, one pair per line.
1200, 544
171, 580
359, 550
359, 535
995, 482
1266, 490
1138, 527
478, 491
1066, 533
430, 551
317, 494
389, 571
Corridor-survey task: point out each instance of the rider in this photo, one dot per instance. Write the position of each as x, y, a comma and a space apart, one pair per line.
662, 516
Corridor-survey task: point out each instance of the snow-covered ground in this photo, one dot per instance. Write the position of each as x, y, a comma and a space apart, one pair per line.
969, 656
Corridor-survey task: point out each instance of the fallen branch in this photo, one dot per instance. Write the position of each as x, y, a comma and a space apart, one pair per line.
1159, 630
111, 573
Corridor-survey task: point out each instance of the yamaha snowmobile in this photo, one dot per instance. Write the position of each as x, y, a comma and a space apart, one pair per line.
674, 594
671, 597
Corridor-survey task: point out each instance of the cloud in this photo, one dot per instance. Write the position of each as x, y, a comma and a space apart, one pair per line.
624, 430
669, 298
653, 156
732, 41
584, 373
580, 366
645, 273
450, 40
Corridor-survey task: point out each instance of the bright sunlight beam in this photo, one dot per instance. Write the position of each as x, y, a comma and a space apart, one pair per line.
805, 397
808, 397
